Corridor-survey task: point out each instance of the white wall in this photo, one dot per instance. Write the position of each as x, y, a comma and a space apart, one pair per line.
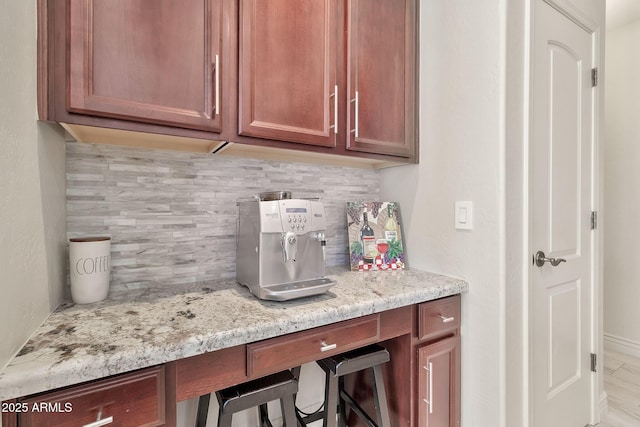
473, 142
622, 198
32, 212
461, 158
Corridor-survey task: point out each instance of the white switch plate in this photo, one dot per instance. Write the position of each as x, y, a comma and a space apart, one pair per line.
464, 215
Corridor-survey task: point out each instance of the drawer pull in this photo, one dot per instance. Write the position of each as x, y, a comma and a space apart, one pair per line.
99, 423
446, 319
327, 347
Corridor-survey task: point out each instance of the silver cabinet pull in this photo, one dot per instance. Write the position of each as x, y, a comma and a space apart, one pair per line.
540, 258
430, 387
327, 347
446, 319
217, 85
356, 114
99, 423
334, 95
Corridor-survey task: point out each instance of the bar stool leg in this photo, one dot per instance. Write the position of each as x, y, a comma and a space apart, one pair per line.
330, 400
342, 406
203, 410
380, 397
224, 418
296, 374
263, 413
288, 411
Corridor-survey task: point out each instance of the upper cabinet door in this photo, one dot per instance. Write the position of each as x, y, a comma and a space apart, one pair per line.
287, 70
156, 62
381, 76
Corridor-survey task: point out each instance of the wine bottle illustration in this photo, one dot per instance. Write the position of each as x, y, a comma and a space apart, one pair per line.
368, 239
391, 226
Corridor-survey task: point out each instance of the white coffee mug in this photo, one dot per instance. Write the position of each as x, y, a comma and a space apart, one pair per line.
90, 264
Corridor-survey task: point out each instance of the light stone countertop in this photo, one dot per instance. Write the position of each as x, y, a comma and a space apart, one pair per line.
138, 328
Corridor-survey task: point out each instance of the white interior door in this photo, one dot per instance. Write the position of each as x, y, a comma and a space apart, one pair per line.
561, 205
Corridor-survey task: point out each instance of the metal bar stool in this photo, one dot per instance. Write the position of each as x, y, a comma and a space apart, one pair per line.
336, 398
281, 386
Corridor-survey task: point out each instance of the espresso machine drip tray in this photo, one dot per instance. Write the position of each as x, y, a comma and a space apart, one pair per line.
287, 291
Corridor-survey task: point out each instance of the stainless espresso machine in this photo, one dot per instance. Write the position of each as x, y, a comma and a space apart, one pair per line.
281, 247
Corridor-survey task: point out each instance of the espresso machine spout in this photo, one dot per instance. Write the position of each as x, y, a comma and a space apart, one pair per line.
289, 246
323, 243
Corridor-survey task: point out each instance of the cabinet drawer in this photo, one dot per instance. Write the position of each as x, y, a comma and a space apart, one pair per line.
295, 349
438, 317
132, 400
204, 373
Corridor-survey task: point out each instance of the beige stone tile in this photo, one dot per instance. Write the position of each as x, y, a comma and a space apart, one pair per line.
611, 362
622, 384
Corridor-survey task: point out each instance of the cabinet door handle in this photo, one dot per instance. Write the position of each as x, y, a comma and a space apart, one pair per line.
335, 109
446, 319
356, 114
327, 347
217, 85
99, 423
430, 387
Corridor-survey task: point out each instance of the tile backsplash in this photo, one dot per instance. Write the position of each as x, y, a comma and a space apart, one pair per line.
172, 215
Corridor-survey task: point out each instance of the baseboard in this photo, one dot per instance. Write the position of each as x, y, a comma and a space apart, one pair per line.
603, 406
621, 345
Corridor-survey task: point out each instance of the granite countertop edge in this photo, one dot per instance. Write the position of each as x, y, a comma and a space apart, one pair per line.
143, 327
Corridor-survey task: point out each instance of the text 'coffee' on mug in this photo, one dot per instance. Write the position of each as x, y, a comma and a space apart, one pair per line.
89, 265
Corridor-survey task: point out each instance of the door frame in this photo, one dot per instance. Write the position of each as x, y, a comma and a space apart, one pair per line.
520, 18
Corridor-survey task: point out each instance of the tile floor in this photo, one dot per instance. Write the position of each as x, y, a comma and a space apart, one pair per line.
622, 384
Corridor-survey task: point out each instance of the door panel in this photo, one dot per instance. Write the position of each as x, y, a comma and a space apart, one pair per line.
287, 70
380, 76
561, 152
564, 336
439, 383
566, 70
156, 64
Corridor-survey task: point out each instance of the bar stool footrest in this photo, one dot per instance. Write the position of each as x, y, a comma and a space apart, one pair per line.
357, 409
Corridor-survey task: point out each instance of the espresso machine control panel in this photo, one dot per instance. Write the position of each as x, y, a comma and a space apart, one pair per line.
292, 215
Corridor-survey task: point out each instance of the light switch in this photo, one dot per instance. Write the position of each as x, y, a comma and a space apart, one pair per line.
464, 215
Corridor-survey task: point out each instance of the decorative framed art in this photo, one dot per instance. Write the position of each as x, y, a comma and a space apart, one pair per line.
375, 236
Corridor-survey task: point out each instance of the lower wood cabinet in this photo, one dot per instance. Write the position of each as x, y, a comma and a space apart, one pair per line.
439, 383
130, 400
438, 363
422, 378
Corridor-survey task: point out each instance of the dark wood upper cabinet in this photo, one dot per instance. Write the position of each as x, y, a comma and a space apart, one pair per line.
155, 62
284, 79
287, 70
381, 81
307, 66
